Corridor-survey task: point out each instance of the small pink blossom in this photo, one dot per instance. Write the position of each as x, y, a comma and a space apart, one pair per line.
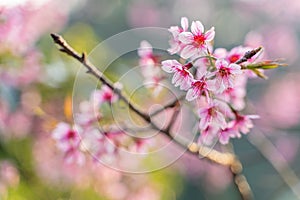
95, 142
68, 141
105, 94
225, 75
176, 44
200, 86
182, 77
212, 115
227, 133
196, 41
150, 67
243, 124
145, 53
88, 114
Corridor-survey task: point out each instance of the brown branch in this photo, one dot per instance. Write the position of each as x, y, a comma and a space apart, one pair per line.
174, 117
226, 159
172, 104
66, 48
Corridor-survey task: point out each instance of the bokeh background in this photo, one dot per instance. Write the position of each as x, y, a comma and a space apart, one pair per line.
36, 88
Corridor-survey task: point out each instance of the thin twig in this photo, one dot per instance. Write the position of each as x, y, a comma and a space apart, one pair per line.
226, 159
169, 105
174, 117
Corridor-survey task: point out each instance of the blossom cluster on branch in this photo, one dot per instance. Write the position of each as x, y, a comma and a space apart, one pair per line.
215, 77
214, 81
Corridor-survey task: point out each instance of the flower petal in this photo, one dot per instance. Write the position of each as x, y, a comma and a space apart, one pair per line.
210, 34
186, 37
170, 66
145, 49
188, 51
221, 63
184, 23
197, 28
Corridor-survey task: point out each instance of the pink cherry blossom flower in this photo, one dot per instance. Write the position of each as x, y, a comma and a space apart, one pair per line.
145, 53
225, 75
243, 124
95, 142
88, 114
212, 115
196, 41
200, 86
105, 94
227, 133
182, 77
150, 68
176, 44
68, 141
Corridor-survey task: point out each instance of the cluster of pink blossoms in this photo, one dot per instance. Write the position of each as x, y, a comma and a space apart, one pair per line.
210, 75
216, 77
213, 80
91, 135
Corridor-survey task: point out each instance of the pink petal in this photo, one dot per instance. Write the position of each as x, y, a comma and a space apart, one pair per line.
224, 137
145, 49
185, 84
235, 69
191, 95
211, 85
170, 66
175, 30
175, 79
188, 51
197, 28
221, 63
186, 37
184, 23
60, 130
220, 53
220, 120
219, 85
210, 34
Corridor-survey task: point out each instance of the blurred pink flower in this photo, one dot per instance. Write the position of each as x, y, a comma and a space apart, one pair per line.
105, 94
9, 177
150, 67
283, 95
149, 10
68, 141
